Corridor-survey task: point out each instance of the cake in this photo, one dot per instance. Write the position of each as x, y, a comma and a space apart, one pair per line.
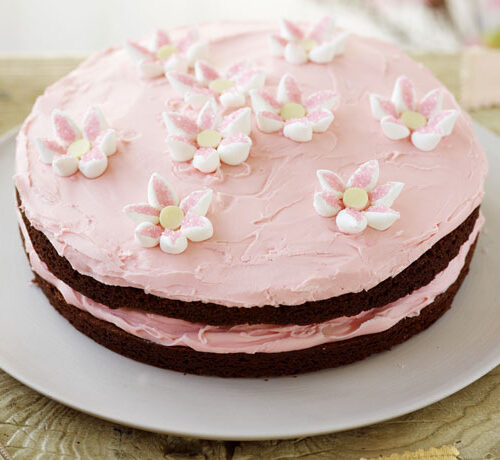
303, 208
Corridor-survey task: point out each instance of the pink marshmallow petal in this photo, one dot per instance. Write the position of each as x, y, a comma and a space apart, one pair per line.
106, 141
138, 52
148, 234
142, 212
394, 128
237, 122
321, 119
365, 176
93, 163
269, 122
250, 79
324, 99
237, 69
180, 125
444, 121
48, 149
277, 45
181, 82
381, 217
386, 194
404, 95
298, 130
187, 40
205, 73
198, 97
382, 107
262, 101
161, 193
206, 160
208, 118
93, 123
65, 129
295, 53
327, 204
290, 31
431, 103
325, 52
288, 90
331, 182
427, 138
234, 150
196, 228
181, 148
197, 202
161, 39
65, 165
173, 242
322, 30
351, 221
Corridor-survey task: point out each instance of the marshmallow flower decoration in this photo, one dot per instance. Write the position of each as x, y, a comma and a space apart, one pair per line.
230, 89
360, 202
73, 151
210, 139
297, 117
165, 221
404, 116
165, 55
318, 45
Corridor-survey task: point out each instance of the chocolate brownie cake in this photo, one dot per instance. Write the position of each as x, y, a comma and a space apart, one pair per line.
303, 208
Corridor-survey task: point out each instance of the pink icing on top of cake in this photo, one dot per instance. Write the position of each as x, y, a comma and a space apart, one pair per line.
269, 246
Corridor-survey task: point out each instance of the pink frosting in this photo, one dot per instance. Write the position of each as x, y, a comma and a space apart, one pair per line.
269, 247
263, 338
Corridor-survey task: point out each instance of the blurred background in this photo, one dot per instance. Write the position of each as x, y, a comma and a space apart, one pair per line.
34, 27
41, 40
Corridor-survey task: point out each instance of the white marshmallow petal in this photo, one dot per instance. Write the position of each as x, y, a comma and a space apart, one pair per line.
324, 99
93, 123
262, 101
198, 50
196, 228
234, 150
351, 221
426, 139
64, 128
106, 141
386, 194
277, 45
290, 31
206, 160
299, 130
181, 82
208, 118
161, 193
381, 217
295, 54
204, 72
393, 128
93, 164
151, 69
444, 121
382, 107
176, 63
365, 176
404, 95
65, 165
326, 51
48, 149
321, 119
269, 122
288, 90
173, 242
330, 182
237, 122
232, 98
142, 212
180, 148
180, 125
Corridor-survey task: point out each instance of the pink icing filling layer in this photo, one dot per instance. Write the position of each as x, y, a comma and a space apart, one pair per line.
269, 246
262, 337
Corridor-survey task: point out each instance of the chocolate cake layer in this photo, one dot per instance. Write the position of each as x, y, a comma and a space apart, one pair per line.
418, 274
184, 359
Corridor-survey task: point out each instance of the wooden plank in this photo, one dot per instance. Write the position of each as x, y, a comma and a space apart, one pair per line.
33, 426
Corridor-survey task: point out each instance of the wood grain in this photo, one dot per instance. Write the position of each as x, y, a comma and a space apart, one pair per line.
35, 427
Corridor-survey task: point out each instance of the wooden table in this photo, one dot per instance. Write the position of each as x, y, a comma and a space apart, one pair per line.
33, 426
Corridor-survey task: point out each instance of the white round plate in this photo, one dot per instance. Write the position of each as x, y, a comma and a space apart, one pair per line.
39, 348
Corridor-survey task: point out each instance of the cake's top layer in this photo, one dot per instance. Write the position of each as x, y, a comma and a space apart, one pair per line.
269, 247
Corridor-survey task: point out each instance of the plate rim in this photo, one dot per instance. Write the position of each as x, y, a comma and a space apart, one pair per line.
453, 385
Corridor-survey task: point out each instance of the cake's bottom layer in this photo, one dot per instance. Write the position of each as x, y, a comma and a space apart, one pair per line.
186, 360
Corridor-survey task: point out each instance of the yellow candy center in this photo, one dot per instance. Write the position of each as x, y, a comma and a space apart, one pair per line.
209, 138
355, 198
413, 120
308, 44
79, 148
292, 110
171, 217
165, 51
220, 85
